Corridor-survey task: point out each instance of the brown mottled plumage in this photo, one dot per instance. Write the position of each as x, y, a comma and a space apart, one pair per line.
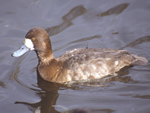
78, 64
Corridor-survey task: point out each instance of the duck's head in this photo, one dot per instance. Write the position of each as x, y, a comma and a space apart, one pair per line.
36, 39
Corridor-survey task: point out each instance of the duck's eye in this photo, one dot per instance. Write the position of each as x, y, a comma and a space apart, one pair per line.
32, 39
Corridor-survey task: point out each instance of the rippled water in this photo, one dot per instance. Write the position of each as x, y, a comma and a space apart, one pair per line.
117, 24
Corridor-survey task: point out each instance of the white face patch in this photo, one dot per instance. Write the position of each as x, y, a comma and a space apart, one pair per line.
29, 44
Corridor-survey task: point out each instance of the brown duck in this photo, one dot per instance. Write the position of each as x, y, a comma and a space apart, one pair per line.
77, 64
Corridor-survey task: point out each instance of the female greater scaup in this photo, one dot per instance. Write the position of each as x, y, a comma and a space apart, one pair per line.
77, 64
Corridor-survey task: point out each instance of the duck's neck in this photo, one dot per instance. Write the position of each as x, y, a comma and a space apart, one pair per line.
45, 57
49, 68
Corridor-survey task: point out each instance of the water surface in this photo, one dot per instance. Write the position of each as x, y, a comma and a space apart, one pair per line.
116, 24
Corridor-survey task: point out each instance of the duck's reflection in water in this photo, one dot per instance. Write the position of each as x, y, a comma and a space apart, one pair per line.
48, 95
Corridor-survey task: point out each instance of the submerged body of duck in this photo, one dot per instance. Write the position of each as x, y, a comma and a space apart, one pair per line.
77, 64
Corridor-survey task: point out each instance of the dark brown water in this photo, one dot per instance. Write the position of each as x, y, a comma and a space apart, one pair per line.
117, 24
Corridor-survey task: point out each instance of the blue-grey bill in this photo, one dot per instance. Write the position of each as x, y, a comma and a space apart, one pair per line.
23, 49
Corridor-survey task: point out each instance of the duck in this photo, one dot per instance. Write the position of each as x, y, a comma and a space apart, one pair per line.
77, 64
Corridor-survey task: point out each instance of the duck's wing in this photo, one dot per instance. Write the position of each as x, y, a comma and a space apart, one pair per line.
79, 51
105, 53
93, 65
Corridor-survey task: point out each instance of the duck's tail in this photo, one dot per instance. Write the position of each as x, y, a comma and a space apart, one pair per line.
139, 60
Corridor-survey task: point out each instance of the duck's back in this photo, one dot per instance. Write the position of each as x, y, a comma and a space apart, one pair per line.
83, 64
